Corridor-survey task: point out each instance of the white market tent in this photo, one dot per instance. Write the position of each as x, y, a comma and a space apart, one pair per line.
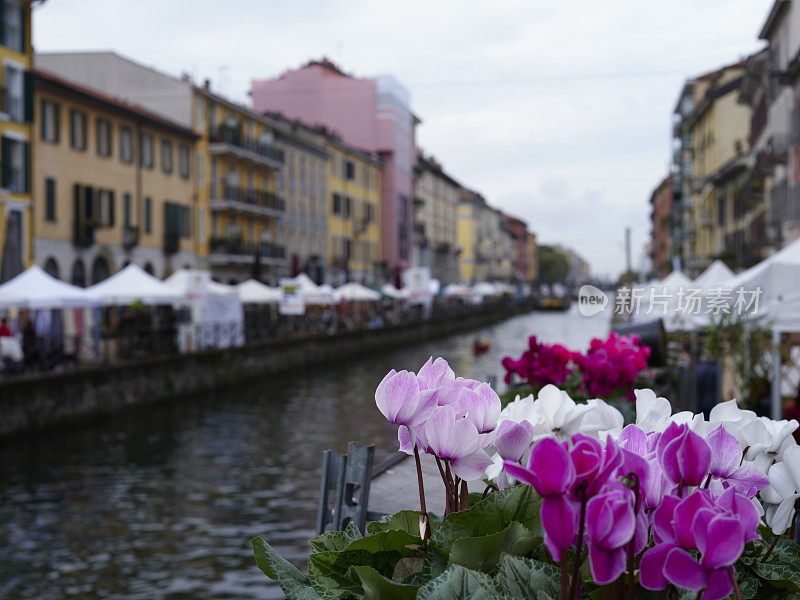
133, 284
255, 292
355, 292
392, 292
660, 300
311, 292
458, 290
36, 289
484, 288
715, 275
216, 309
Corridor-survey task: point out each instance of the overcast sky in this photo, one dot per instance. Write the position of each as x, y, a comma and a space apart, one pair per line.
558, 112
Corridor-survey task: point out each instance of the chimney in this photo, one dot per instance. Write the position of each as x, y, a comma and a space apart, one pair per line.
206, 84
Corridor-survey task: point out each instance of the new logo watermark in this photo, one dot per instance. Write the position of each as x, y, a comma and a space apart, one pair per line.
591, 300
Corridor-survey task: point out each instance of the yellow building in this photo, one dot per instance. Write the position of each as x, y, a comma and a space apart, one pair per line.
16, 114
237, 164
718, 128
531, 257
354, 215
475, 221
112, 185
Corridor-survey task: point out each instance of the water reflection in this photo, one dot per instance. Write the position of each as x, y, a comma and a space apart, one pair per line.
160, 502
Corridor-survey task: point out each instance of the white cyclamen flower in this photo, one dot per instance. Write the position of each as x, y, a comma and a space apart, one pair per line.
783, 491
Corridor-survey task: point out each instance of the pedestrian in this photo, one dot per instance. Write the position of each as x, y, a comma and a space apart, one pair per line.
4, 330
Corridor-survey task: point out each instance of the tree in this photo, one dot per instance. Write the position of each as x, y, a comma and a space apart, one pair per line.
553, 264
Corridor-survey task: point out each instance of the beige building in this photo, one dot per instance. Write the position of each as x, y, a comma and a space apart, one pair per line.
436, 198
354, 215
475, 219
112, 185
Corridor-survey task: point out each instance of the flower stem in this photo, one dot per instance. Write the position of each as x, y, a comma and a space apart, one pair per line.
423, 517
450, 486
564, 574
464, 502
772, 546
446, 482
736, 591
573, 594
632, 547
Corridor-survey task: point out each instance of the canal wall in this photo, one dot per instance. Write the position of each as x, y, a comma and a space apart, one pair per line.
30, 404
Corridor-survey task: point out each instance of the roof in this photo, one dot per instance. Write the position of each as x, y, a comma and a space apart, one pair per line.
773, 18
435, 168
52, 82
664, 182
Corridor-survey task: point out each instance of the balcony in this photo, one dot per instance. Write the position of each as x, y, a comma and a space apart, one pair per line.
83, 235
231, 250
239, 199
230, 141
172, 241
130, 237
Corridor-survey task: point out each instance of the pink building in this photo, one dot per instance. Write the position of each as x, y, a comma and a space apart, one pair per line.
370, 113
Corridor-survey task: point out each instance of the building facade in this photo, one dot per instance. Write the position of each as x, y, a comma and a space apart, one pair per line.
371, 114
475, 219
531, 258
660, 247
236, 161
354, 215
518, 231
111, 185
16, 115
436, 198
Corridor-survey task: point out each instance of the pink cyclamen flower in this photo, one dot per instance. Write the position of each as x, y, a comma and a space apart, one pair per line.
481, 405
513, 440
610, 525
726, 458
400, 400
684, 455
434, 373
551, 472
455, 439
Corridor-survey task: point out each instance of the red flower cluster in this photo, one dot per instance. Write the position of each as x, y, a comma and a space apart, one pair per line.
541, 363
609, 366
613, 365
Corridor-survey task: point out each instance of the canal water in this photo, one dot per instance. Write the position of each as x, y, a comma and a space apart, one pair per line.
160, 502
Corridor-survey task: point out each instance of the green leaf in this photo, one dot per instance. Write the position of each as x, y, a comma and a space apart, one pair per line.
330, 540
458, 583
294, 584
407, 568
405, 520
783, 576
483, 553
385, 541
433, 565
748, 584
523, 578
492, 515
378, 587
351, 532
327, 573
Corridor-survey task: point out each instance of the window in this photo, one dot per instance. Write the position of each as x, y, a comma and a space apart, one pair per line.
51, 121
50, 199
166, 156
103, 137
126, 210
201, 114
183, 161
148, 215
13, 26
178, 219
349, 170
302, 174
15, 92
77, 129
146, 150
14, 165
105, 207
212, 113
337, 204
125, 144
201, 170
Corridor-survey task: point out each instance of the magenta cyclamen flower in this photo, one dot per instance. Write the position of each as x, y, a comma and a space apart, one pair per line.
551, 473
400, 400
684, 455
610, 524
594, 462
726, 458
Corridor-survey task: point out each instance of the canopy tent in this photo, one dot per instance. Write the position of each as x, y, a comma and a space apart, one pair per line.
660, 299
133, 284
715, 275
217, 315
484, 288
355, 292
35, 289
392, 292
255, 292
504, 288
311, 292
457, 290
